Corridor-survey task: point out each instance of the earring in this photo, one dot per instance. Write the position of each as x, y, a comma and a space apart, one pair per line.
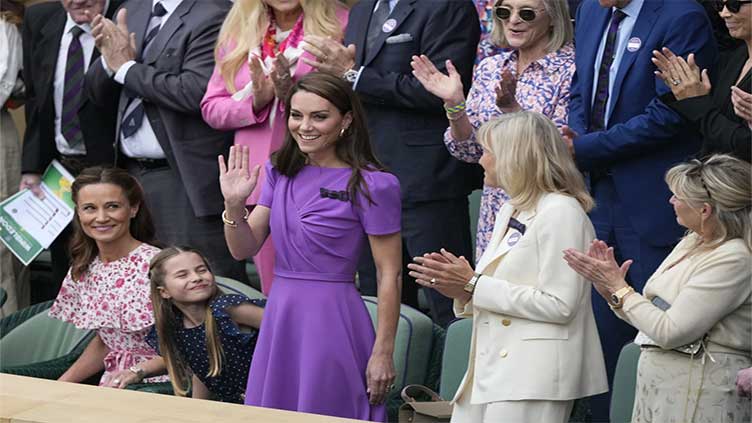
342, 132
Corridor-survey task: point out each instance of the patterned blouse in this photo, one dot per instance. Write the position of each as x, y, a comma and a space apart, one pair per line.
485, 13
543, 87
113, 299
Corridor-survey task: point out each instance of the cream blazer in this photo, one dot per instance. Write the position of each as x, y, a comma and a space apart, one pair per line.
534, 335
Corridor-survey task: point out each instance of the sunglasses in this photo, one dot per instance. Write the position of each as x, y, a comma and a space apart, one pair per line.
733, 6
528, 15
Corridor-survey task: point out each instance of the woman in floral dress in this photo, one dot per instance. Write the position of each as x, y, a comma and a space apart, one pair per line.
534, 73
107, 287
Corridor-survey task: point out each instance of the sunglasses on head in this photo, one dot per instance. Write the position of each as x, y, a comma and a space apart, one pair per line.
733, 6
527, 15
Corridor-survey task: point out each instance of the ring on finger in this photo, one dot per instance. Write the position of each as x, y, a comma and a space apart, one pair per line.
117, 381
433, 281
676, 81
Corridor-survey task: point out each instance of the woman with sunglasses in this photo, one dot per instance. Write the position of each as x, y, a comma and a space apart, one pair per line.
533, 74
718, 102
694, 312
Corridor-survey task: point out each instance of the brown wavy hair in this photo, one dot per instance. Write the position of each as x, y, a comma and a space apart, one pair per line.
83, 249
353, 148
166, 321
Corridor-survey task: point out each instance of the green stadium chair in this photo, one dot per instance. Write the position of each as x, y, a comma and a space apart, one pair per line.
625, 382
456, 353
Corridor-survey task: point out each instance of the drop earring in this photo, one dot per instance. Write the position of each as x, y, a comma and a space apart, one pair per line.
342, 132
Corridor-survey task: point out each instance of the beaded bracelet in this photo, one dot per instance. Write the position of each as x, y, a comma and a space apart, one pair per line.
455, 109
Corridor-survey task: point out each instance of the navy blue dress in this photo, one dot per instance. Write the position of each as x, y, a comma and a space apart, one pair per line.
230, 384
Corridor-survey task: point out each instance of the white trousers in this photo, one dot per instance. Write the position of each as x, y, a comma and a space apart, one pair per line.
527, 411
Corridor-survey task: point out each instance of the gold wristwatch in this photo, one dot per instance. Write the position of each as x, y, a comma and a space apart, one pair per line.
617, 298
470, 285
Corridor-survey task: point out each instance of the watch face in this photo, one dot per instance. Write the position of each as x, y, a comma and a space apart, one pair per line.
614, 299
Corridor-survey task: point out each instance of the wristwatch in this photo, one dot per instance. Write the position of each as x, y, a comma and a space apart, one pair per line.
470, 285
350, 75
138, 371
617, 298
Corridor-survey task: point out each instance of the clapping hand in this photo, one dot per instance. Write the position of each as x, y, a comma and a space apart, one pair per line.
683, 77
263, 88
280, 76
742, 102
599, 266
443, 272
447, 87
236, 180
506, 92
330, 55
116, 43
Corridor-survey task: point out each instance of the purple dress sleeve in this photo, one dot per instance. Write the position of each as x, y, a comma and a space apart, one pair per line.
267, 190
384, 214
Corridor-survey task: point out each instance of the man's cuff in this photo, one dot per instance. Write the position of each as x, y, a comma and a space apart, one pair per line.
106, 68
357, 78
120, 74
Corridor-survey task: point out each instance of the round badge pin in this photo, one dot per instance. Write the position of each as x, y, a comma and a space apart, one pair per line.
389, 25
634, 44
514, 238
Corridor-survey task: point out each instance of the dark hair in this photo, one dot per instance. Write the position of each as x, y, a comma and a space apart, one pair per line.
165, 323
353, 148
83, 249
12, 11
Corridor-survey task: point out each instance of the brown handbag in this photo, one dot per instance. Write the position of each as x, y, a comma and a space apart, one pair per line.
437, 410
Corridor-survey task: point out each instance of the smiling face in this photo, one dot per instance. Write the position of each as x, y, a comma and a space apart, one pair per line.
104, 212
78, 8
187, 279
315, 124
526, 35
739, 24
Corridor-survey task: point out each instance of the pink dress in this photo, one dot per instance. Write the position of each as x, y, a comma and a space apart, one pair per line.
263, 132
113, 299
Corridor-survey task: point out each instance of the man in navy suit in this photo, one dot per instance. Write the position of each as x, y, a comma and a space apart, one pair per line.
625, 139
407, 123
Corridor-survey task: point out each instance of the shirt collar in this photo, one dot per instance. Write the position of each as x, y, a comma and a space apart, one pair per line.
632, 9
169, 5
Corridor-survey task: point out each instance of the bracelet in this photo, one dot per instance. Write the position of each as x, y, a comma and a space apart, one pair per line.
455, 109
455, 116
232, 223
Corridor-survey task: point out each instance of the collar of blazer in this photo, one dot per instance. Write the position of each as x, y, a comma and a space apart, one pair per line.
401, 11
140, 20
496, 247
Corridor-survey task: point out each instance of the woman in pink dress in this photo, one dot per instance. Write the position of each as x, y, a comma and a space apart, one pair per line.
257, 56
107, 287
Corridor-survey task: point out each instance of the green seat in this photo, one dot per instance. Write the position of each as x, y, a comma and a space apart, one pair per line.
456, 353
39, 345
231, 286
625, 382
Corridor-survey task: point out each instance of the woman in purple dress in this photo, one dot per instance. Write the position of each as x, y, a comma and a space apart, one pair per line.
325, 195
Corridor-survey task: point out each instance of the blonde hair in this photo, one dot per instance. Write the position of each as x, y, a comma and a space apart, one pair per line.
245, 26
532, 159
561, 25
165, 322
725, 183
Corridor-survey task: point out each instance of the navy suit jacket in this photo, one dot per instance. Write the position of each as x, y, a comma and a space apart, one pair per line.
644, 137
406, 122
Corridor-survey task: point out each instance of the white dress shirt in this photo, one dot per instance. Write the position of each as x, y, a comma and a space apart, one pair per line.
11, 59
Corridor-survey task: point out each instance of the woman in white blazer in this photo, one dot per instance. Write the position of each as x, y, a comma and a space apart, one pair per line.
535, 347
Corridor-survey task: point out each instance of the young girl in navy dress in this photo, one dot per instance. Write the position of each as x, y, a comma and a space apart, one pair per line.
197, 329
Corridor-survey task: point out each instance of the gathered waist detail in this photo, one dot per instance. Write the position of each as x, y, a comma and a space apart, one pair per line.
315, 276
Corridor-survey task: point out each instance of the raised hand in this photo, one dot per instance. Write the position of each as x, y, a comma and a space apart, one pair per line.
330, 55
446, 87
263, 88
684, 78
506, 91
280, 76
742, 102
236, 180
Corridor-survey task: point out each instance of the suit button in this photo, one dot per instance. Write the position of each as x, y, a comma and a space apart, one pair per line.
503, 353
506, 322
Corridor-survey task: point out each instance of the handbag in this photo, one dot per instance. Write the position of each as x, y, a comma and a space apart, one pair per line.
693, 348
437, 410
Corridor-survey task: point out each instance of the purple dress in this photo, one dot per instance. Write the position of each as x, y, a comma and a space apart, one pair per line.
316, 336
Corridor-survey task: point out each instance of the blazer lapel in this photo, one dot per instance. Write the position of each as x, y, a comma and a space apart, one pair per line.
138, 21
588, 69
52, 34
401, 11
497, 248
642, 29
360, 18
174, 22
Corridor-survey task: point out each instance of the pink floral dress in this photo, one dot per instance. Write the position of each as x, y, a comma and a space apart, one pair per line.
113, 299
543, 87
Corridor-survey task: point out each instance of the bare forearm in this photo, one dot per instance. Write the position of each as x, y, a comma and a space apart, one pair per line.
89, 363
154, 367
461, 128
389, 294
241, 240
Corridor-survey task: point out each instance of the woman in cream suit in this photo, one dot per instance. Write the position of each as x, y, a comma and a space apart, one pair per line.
534, 346
701, 294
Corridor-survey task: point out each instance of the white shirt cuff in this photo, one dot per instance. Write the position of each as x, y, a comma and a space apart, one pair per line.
106, 68
120, 74
357, 78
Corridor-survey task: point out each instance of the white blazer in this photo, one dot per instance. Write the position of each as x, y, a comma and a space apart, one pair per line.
534, 334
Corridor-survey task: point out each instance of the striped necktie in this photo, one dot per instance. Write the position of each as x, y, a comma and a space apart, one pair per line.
73, 86
380, 16
134, 109
598, 111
